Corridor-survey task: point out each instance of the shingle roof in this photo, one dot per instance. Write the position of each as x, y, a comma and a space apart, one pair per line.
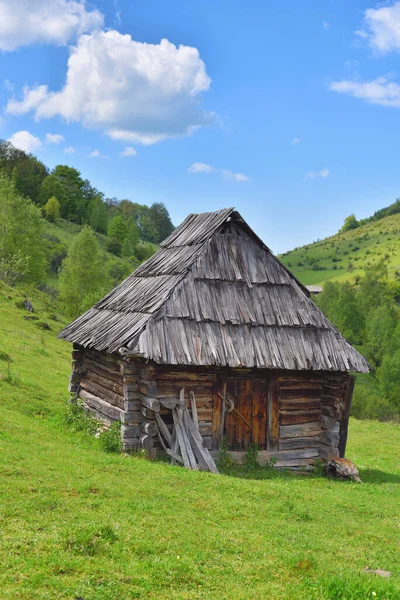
214, 294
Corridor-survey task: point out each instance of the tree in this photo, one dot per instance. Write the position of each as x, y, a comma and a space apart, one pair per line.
131, 240
74, 188
350, 222
52, 209
117, 229
82, 277
161, 221
97, 213
22, 246
25, 170
51, 186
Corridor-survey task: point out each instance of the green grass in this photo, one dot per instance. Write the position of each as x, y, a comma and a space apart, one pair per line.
76, 522
343, 256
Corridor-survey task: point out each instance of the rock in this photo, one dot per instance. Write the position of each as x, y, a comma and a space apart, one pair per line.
28, 305
342, 468
379, 572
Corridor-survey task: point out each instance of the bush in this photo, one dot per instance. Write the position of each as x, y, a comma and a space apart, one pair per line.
110, 439
77, 418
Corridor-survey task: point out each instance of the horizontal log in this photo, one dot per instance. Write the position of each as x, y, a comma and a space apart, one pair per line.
329, 423
130, 431
106, 383
101, 392
299, 403
330, 438
327, 452
298, 443
132, 405
298, 417
149, 427
151, 403
286, 464
304, 430
331, 411
102, 370
108, 359
148, 388
131, 417
146, 441
131, 444
132, 395
113, 412
98, 415
147, 413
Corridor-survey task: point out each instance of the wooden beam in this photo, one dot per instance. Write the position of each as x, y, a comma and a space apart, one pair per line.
344, 423
273, 415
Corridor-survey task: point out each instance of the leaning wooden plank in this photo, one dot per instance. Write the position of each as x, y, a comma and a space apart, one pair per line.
198, 447
194, 409
191, 456
180, 439
164, 429
174, 455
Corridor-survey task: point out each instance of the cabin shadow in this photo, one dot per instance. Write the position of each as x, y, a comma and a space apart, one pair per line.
377, 476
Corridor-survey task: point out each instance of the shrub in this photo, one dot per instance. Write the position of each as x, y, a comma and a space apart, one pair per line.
110, 439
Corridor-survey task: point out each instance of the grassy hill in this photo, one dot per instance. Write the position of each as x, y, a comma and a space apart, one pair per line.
79, 523
343, 256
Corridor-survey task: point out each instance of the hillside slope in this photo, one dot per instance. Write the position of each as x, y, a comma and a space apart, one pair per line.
343, 256
79, 523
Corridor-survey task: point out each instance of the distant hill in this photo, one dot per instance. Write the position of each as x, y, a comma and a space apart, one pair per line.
343, 257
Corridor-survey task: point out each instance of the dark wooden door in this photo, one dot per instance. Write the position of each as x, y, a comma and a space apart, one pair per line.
248, 422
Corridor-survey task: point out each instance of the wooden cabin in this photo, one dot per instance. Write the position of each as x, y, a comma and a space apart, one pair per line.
215, 320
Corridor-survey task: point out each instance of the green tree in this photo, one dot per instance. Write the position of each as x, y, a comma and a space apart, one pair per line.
161, 220
131, 240
82, 277
22, 246
350, 222
380, 329
52, 209
25, 170
74, 189
51, 186
117, 229
97, 213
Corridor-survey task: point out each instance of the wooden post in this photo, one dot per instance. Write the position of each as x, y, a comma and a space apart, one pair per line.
344, 423
273, 415
77, 369
132, 416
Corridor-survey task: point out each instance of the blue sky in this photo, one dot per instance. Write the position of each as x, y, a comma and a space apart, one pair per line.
288, 111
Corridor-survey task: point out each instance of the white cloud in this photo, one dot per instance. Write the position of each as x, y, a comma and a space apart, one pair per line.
382, 27
296, 140
314, 174
54, 138
379, 91
26, 22
128, 151
97, 154
69, 150
199, 167
136, 92
325, 25
23, 140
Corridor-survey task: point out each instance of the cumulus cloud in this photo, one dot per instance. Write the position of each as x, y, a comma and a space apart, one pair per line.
69, 150
54, 138
128, 151
199, 167
314, 174
27, 22
378, 91
23, 140
97, 154
296, 140
135, 92
382, 27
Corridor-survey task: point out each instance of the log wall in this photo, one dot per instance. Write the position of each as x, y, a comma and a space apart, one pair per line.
305, 418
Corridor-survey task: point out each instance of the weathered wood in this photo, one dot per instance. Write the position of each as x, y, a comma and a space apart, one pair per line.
298, 443
149, 427
299, 403
273, 431
194, 409
113, 412
147, 413
298, 417
180, 439
304, 430
327, 452
101, 392
309, 462
174, 456
345, 415
330, 438
146, 441
148, 388
169, 402
164, 429
132, 405
151, 403
329, 423
201, 453
130, 431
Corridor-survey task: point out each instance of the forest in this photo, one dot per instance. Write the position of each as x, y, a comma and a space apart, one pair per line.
110, 236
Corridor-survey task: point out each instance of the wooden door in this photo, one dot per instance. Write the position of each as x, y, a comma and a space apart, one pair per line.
247, 423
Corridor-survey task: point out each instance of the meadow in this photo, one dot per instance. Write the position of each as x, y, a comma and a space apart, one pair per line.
344, 256
76, 522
